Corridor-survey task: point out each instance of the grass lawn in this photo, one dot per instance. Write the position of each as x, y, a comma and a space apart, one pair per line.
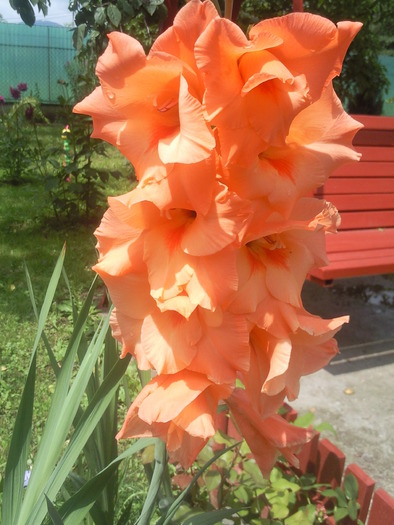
30, 235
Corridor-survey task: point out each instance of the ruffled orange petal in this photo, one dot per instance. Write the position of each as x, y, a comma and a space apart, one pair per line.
180, 409
312, 45
223, 349
267, 437
189, 23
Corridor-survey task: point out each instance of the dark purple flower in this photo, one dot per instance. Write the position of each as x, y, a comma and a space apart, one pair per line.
22, 86
2, 100
29, 112
15, 93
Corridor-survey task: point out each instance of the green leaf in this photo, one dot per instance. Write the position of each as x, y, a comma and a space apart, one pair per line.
350, 487
353, 508
284, 484
53, 514
212, 479
279, 512
340, 513
304, 420
20, 441
166, 520
48, 347
325, 427
84, 429
25, 10
211, 518
76, 508
78, 36
99, 16
114, 15
341, 498
154, 484
19, 450
65, 403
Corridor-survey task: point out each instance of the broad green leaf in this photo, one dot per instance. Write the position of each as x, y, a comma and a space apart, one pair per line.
212, 479
325, 426
114, 14
340, 513
305, 420
211, 518
329, 493
99, 16
279, 512
284, 484
350, 487
275, 475
254, 472
25, 10
75, 509
341, 498
242, 494
353, 507
78, 36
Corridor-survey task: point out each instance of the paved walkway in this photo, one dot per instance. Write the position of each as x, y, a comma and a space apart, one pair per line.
355, 393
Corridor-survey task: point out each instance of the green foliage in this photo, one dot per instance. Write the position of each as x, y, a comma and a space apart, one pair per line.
78, 438
94, 20
25, 9
18, 155
287, 497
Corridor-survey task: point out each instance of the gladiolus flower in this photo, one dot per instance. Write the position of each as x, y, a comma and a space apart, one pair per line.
282, 69
148, 107
181, 409
206, 257
22, 86
2, 100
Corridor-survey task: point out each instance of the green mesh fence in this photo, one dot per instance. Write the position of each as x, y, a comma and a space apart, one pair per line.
35, 55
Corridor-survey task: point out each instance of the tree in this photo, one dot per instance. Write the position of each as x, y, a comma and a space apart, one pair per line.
25, 10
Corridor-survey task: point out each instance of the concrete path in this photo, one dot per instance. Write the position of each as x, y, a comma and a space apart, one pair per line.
355, 393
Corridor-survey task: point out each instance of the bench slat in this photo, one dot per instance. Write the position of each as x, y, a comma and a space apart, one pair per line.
358, 185
364, 194
374, 137
354, 268
379, 153
359, 202
355, 220
365, 169
375, 122
361, 254
350, 241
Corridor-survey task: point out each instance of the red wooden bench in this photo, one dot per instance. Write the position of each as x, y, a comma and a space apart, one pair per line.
363, 192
